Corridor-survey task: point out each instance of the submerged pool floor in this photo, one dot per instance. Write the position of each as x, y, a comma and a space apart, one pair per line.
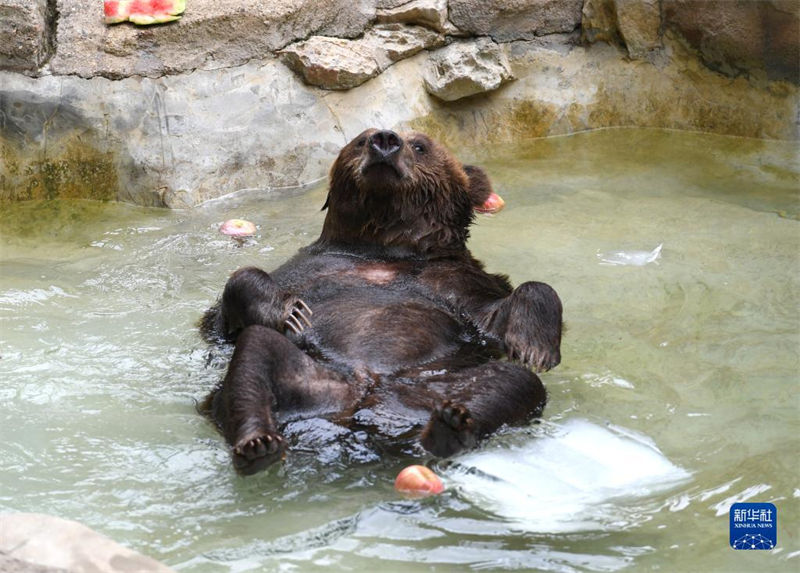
697, 355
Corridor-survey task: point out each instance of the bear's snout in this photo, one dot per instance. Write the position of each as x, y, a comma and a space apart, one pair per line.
384, 144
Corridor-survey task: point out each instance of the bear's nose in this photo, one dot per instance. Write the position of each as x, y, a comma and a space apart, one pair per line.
385, 142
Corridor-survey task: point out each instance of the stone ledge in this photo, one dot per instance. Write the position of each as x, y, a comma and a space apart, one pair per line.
212, 34
466, 68
340, 64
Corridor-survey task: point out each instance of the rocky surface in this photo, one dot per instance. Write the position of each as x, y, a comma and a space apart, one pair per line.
599, 22
507, 20
262, 96
211, 34
339, 64
25, 36
595, 87
467, 68
395, 42
639, 24
36, 543
430, 13
740, 38
332, 63
757, 39
173, 141
635, 24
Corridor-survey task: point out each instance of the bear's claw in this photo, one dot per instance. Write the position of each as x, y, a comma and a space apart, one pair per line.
299, 317
541, 360
255, 452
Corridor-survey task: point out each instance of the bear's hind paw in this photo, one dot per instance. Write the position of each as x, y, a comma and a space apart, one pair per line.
450, 430
255, 452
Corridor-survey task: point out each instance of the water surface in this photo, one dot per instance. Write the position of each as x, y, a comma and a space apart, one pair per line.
698, 353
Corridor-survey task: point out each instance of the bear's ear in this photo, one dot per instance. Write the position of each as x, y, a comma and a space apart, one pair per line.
479, 185
481, 194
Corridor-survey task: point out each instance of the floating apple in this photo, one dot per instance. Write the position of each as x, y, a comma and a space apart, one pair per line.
418, 481
237, 228
493, 204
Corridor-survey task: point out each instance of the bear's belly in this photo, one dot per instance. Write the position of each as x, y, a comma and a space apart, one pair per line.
385, 335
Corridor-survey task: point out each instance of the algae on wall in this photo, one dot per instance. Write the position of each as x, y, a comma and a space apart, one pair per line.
79, 172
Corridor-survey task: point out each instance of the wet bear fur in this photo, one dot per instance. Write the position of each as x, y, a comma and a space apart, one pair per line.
386, 323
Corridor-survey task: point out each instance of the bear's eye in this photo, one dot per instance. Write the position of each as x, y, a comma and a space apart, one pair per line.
361, 142
418, 147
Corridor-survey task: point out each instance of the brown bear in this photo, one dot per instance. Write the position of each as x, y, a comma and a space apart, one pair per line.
386, 319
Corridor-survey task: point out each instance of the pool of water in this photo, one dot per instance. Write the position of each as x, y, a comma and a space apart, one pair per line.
696, 355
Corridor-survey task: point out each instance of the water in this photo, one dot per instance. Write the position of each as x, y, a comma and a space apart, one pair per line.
694, 355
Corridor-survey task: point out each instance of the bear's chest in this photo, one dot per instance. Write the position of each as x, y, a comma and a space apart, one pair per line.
380, 274
377, 315
321, 276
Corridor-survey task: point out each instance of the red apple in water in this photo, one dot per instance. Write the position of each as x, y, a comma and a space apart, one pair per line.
237, 228
493, 204
418, 481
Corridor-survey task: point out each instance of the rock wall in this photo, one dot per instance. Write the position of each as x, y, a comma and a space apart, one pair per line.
262, 95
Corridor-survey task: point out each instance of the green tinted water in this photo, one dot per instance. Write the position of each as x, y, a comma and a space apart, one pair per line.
101, 366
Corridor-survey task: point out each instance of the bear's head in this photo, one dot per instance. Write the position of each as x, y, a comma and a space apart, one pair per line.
402, 190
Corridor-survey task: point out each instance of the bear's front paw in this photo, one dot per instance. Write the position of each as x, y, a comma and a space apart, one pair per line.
257, 450
532, 332
299, 317
450, 430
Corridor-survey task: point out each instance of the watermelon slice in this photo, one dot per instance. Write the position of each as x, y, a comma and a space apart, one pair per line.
143, 12
117, 11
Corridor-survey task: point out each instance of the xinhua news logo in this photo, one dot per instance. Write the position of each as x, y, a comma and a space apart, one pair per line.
754, 526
